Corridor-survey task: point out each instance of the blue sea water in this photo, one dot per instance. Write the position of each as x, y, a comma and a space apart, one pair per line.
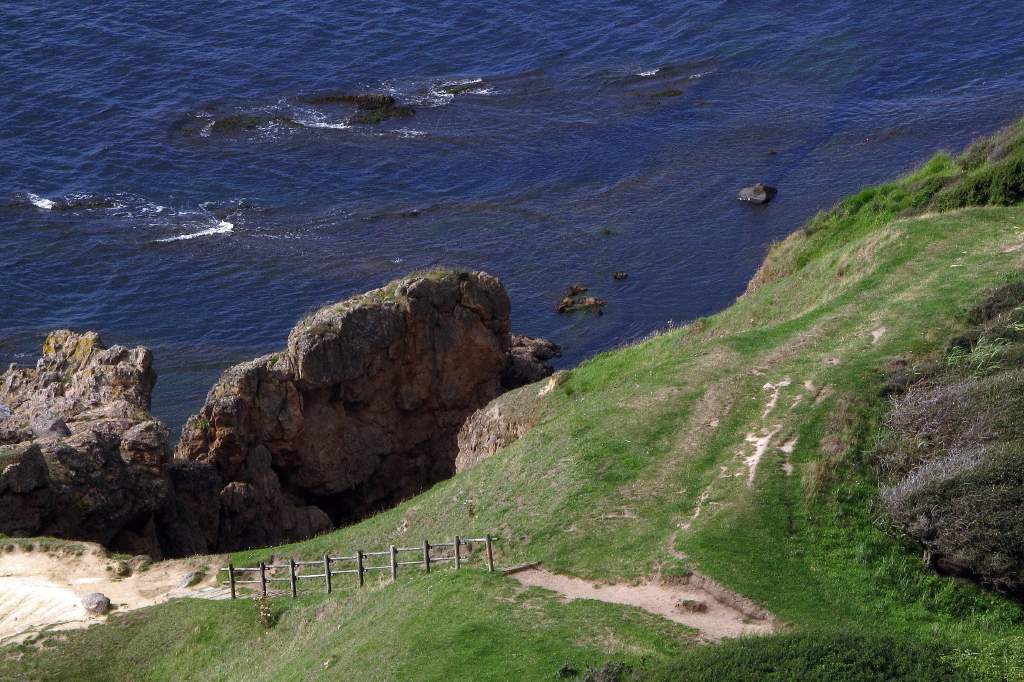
124, 211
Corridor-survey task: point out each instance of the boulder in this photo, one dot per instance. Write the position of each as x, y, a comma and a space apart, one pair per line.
48, 426
359, 412
5, 412
758, 194
80, 455
191, 578
96, 603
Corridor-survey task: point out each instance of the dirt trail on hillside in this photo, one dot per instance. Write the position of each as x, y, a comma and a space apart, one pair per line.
45, 588
711, 611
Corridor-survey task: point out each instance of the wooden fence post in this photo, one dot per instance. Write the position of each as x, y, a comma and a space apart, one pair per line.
458, 564
426, 556
327, 572
231, 579
263, 577
359, 565
291, 566
490, 554
394, 563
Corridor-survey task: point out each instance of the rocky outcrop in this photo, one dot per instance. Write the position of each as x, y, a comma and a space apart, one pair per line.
525, 362
359, 412
758, 194
82, 458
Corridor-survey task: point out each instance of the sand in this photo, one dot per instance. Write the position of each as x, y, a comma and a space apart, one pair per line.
45, 588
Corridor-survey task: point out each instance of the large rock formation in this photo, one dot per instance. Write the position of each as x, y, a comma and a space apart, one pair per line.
359, 412
80, 455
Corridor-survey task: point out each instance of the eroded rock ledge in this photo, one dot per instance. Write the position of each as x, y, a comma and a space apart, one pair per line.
359, 412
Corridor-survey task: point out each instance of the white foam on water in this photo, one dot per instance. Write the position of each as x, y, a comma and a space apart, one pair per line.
648, 73
405, 132
321, 124
40, 202
223, 227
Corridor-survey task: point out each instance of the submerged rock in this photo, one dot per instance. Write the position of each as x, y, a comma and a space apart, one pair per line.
360, 411
758, 194
363, 101
80, 455
382, 114
233, 124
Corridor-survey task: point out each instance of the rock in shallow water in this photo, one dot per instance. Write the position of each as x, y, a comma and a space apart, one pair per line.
758, 194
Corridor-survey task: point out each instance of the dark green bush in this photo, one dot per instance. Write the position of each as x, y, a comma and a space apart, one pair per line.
811, 657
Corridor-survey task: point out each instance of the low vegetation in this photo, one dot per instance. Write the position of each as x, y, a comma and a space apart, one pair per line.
780, 447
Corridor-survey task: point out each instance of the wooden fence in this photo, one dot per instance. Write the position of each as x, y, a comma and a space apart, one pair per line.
268, 573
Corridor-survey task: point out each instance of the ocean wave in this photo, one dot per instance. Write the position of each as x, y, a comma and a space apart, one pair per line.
222, 227
40, 202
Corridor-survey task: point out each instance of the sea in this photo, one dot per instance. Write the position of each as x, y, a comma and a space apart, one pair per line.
180, 176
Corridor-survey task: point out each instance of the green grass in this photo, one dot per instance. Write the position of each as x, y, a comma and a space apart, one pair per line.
641, 455
469, 625
813, 657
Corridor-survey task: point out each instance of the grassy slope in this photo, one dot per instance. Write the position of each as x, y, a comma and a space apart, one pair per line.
633, 443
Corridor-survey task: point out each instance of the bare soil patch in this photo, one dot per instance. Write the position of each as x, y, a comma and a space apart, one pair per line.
690, 603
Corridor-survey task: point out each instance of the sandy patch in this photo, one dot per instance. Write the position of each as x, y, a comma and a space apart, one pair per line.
689, 604
877, 334
774, 388
40, 588
760, 447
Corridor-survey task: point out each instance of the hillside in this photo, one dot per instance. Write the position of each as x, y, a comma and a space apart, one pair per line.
739, 446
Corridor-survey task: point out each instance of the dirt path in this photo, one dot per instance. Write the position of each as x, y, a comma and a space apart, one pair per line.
691, 604
45, 588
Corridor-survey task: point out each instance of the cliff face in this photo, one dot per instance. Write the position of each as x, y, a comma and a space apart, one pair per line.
361, 411
80, 455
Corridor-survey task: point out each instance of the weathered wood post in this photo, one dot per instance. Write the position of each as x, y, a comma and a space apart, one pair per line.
490, 553
291, 566
458, 563
426, 556
263, 578
327, 572
231, 579
394, 563
359, 565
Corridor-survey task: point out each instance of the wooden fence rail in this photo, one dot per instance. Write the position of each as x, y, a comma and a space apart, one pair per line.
294, 576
